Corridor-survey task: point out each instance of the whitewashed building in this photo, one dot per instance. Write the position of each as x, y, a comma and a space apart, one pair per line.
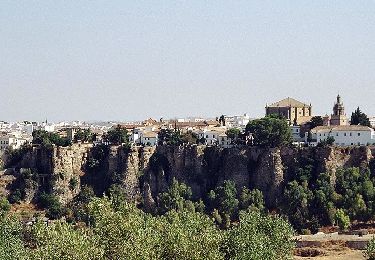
12, 141
344, 135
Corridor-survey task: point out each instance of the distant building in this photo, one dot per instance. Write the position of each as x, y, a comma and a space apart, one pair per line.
372, 121
12, 141
293, 110
239, 121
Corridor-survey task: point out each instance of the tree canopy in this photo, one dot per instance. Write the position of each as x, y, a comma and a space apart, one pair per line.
117, 136
359, 118
270, 131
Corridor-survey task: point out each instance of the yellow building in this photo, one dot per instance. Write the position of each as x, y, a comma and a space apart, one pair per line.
293, 110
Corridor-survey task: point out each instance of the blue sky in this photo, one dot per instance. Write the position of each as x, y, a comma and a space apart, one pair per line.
127, 60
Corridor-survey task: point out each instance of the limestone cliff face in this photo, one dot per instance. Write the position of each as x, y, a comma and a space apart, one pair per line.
143, 172
67, 167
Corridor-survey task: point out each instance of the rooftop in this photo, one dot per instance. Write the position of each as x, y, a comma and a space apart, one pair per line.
289, 102
342, 128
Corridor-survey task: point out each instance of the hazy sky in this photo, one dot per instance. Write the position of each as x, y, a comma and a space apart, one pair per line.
125, 60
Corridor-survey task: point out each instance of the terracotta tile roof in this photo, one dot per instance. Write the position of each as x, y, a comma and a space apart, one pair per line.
150, 134
342, 128
288, 102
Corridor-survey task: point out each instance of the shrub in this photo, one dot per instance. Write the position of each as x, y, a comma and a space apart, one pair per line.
54, 208
4, 207
15, 196
370, 250
342, 220
73, 183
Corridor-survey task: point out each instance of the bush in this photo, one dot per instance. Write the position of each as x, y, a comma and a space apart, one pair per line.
370, 250
73, 183
15, 196
342, 220
4, 207
54, 208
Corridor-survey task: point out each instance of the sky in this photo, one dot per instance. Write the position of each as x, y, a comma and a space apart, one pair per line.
131, 60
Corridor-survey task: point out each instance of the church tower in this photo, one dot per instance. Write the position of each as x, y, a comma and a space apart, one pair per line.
338, 117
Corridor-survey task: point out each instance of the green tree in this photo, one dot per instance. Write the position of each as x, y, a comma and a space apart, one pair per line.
260, 237
54, 208
84, 135
175, 198
270, 131
251, 199
188, 235
11, 244
189, 137
234, 134
315, 121
64, 241
359, 118
172, 137
224, 198
117, 136
342, 220
46, 139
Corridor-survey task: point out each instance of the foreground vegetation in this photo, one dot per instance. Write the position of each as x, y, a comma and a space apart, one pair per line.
118, 230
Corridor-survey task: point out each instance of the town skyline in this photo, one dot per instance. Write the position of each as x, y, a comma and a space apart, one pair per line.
186, 116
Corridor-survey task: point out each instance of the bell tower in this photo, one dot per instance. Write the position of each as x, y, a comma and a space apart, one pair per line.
338, 117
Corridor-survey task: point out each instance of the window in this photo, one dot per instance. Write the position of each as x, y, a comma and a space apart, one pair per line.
344, 134
350, 134
337, 134
359, 134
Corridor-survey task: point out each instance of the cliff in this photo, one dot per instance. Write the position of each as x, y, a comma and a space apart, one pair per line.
143, 172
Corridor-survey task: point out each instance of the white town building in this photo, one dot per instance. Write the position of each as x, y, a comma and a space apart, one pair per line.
12, 141
344, 135
148, 138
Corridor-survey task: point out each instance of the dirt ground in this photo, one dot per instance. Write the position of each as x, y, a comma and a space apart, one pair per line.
343, 254
331, 246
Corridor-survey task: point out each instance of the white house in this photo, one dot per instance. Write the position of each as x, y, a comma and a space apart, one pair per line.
344, 135
149, 138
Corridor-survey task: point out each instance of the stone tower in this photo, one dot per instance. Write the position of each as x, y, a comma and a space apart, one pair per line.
338, 117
